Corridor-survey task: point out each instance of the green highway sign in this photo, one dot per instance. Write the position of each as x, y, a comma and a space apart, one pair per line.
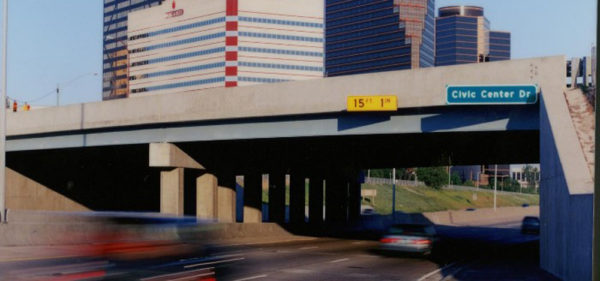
492, 94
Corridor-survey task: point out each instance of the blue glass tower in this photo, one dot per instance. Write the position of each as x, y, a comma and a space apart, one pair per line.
499, 45
463, 35
368, 36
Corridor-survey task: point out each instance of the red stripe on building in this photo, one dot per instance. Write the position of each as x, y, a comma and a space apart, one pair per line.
232, 8
229, 84
231, 26
231, 71
231, 56
231, 41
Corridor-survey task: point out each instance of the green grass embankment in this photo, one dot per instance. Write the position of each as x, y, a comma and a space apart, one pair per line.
410, 199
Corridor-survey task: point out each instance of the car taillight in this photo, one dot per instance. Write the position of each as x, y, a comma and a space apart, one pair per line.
421, 241
388, 240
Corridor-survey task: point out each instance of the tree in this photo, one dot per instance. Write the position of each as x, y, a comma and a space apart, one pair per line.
530, 173
455, 179
434, 177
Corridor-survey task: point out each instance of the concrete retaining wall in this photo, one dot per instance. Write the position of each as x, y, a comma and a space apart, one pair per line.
566, 195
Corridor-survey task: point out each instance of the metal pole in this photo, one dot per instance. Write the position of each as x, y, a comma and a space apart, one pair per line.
57, 94
3, 115
495, 183
596, 234
394, 193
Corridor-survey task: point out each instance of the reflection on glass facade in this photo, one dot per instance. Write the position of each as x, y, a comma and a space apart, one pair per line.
369, 36
499, 45
463, 36
115, 56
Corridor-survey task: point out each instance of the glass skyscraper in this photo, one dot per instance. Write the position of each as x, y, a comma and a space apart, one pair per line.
463, 35
368, 36
115, 56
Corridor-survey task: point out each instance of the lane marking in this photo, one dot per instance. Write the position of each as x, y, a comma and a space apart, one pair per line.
212, 262
436, 271
252, 277
309, 247
179, 274
340, 260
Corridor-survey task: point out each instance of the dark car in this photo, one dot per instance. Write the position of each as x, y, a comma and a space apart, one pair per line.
409, 238
530, 225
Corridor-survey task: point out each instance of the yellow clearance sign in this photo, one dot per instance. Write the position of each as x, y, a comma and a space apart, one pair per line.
372, 103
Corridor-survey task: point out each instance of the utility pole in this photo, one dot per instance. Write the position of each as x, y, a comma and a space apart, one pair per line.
495, 183
57, 95
394, 194
3, 115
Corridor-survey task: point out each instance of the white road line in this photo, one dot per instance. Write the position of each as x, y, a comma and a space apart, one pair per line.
252, 277
340, 260
309, 247
212, 262
435, 271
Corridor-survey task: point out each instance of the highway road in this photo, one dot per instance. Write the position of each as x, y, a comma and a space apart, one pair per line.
494, 252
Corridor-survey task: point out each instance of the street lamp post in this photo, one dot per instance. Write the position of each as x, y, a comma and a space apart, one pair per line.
495, 183
394, 193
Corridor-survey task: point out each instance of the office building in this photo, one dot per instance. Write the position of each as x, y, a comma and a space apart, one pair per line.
114, 76
371, 36
463, 35
187, 46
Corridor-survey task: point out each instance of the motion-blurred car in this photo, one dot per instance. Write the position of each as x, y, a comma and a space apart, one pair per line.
409, 238
530, 225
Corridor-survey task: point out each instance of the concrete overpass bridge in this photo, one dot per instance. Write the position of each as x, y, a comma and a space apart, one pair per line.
181, 153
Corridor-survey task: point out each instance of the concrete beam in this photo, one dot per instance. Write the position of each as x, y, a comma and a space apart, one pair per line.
171, 192
226, 198
206, 197
252, 198
293, 98
169, 155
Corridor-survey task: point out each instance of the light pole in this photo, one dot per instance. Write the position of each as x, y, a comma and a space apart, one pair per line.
3, 115
394, 194
495, 183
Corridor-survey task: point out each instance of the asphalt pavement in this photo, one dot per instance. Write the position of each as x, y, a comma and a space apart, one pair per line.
491, 252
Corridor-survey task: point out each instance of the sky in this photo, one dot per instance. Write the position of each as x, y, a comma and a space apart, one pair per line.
54, 42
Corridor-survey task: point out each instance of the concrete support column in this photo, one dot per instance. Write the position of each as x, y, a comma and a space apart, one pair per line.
277, 197
354, 199
336, 200
315, 200
171, 192
253, 198
297, 194
226, 198
206, 196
